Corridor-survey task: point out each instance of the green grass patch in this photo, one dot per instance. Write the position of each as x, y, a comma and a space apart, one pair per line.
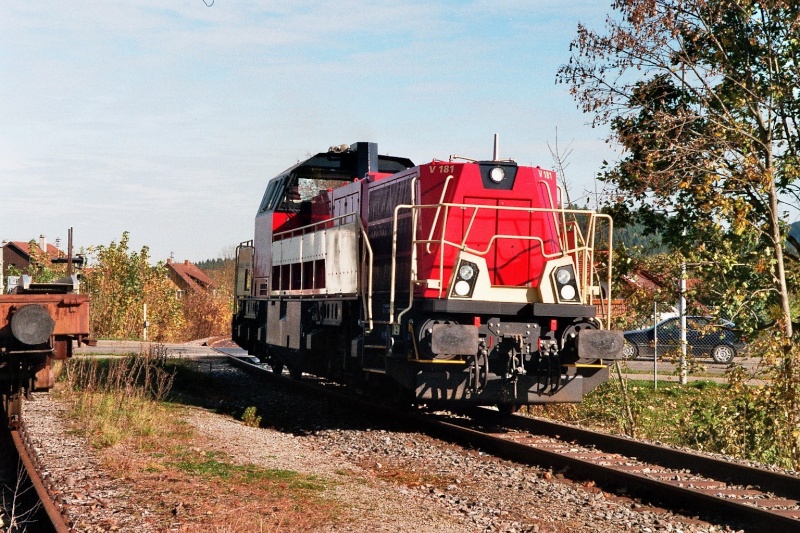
734, 419
117, 399
658, 414
212, 465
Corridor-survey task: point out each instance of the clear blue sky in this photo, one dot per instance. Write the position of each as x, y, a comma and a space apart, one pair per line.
167, 119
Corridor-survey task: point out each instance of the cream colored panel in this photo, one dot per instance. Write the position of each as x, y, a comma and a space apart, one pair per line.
341, 265
298, 249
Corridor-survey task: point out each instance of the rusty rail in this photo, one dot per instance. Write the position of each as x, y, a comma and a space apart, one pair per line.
45, 492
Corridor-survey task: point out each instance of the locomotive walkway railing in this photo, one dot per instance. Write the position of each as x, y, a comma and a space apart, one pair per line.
575, 239
581, 244
293, 238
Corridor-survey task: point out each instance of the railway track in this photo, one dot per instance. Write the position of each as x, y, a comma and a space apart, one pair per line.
720, 492
40, 509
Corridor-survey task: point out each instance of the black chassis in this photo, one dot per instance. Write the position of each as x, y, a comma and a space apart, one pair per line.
437, 354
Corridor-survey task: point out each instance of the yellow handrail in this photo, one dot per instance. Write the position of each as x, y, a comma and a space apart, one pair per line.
583, 248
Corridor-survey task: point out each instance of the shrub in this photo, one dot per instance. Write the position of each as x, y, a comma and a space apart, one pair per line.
120, 284
250, 418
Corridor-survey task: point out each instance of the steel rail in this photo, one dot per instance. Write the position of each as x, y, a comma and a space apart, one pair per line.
44, 493
767, 480
647, 488
704, 502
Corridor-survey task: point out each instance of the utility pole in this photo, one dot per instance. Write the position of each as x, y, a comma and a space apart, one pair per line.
145, 324
655, 345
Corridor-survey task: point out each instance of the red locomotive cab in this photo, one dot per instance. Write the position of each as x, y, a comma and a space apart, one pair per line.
293, 251
495, 231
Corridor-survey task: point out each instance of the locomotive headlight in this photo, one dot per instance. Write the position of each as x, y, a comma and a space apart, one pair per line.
566, 285
464, 278
497, 174
567, 292
564, 276
466, 272
461, 288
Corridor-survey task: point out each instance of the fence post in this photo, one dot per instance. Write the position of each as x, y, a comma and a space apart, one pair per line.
682, 310
655, 345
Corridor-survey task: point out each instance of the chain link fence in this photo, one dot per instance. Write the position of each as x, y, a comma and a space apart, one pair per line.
656, 333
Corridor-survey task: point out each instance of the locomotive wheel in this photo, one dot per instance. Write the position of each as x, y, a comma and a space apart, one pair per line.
507, 409
571, 331
424, 339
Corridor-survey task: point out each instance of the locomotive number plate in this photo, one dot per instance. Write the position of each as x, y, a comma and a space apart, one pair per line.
442, 169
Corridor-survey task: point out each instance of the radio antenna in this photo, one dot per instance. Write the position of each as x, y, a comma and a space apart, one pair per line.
494, 156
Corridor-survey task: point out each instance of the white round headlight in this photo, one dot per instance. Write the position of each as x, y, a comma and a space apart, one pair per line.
466, 272
497, 174
567, 292
563, 276
461, 288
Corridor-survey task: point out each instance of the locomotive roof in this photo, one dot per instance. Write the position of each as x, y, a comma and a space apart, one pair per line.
344, 164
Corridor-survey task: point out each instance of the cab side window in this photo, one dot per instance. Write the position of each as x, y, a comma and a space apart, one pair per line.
271, 195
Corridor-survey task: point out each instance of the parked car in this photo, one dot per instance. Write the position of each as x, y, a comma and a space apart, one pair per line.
704, 337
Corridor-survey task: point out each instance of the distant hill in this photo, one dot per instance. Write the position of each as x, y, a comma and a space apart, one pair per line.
632, 236
213, 264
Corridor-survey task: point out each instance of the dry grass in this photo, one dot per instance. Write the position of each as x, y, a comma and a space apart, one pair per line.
122, 399
171, 471
206, 490
405, 473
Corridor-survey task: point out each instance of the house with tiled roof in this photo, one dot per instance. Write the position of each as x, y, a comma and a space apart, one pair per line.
662, 288
18, 253
651, 282
188, 277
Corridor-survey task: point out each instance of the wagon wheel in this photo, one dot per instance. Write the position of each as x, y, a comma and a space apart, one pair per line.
12, 409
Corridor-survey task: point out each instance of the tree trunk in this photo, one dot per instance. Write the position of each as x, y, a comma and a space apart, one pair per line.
780, 269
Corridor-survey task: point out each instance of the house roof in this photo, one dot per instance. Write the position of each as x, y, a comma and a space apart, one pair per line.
652, 282
190, 274
25, 249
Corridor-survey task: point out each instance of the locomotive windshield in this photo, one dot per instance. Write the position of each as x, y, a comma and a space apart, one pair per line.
290, 193
299, 193
297, 186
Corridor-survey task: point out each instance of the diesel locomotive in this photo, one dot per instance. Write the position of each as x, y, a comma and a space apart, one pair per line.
458, 280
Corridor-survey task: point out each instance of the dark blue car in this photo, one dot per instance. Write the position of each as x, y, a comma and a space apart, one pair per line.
705, 337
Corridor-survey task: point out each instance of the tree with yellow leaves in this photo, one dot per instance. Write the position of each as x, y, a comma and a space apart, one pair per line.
120, 282
703, 97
